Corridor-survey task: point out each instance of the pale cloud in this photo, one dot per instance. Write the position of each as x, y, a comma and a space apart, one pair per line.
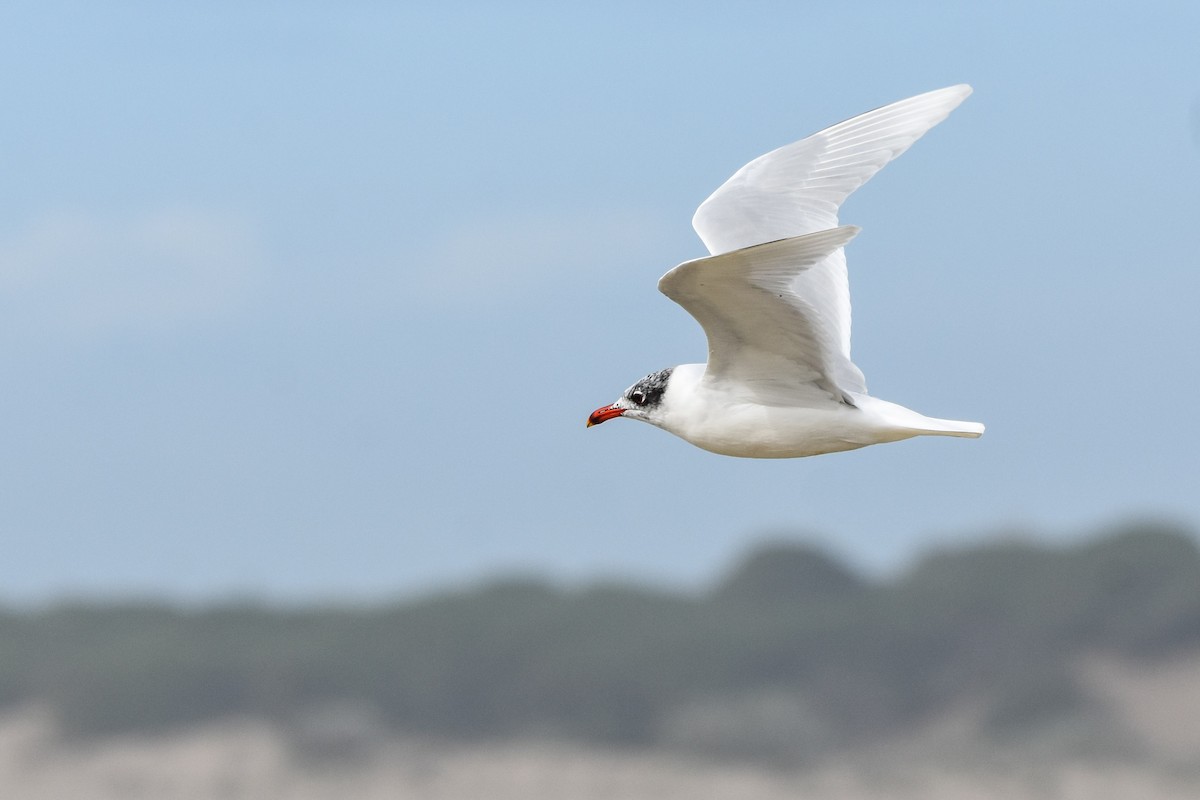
89, 274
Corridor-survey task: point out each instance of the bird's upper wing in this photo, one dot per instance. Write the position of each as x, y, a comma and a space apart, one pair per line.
798, 189
765, 341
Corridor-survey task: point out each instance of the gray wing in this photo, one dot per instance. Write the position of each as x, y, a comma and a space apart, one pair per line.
798, 189
765, 340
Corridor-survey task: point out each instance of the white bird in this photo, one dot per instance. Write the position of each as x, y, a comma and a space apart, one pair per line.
774, 302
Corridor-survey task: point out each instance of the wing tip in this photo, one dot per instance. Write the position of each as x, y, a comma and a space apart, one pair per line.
837, 237
964, 89
953, 96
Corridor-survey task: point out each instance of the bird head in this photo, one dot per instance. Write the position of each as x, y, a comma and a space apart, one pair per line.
641, 401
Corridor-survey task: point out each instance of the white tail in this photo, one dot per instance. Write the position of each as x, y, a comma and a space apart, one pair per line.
951, 427
905, 419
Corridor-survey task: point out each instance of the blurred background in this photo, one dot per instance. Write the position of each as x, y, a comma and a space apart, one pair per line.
302, 310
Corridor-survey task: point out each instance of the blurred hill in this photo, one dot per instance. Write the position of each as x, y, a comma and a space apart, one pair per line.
790, 657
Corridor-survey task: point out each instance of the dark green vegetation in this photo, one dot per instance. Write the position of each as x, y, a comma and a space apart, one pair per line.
790, 647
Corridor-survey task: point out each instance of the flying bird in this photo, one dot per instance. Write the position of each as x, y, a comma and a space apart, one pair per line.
774, 302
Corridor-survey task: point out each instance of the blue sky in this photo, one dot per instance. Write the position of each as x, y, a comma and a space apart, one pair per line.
312, 301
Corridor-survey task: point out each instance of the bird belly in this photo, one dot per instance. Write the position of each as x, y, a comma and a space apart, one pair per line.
758, 431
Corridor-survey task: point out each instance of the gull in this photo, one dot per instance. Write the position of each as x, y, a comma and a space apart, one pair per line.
774, 302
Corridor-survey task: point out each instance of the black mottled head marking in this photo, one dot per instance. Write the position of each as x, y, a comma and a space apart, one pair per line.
648, 392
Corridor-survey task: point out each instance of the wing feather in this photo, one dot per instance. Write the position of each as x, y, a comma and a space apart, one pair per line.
763, 336
798, 189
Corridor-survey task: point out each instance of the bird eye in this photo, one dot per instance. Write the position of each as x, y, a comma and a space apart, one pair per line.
638, 397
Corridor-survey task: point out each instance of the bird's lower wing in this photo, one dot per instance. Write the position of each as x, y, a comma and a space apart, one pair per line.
766, 340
